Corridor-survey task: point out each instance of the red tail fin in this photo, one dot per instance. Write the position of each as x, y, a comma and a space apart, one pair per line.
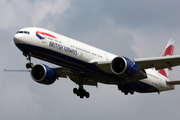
168, 51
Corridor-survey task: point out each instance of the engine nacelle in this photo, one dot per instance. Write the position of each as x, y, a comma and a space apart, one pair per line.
123, 65
43, 74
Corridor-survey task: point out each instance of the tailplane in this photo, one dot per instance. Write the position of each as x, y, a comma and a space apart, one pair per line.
168, 51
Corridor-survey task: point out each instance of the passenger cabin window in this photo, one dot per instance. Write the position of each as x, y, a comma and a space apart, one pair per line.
26, 32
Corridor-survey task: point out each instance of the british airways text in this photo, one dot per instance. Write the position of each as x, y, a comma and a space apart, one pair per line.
61, 47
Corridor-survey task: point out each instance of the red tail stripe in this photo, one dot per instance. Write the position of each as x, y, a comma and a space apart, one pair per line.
168, 50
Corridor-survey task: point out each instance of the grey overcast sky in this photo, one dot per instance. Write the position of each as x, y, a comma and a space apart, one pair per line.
132, 28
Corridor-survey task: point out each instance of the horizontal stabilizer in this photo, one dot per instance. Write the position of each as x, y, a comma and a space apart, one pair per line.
173, 82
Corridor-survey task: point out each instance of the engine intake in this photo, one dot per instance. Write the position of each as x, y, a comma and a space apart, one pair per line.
123, 65
43, 74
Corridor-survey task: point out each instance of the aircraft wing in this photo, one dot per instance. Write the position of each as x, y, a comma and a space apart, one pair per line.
62, 73
65, 72
144, 63
158, 62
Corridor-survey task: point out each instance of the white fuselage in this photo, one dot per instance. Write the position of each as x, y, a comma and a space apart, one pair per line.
79, 51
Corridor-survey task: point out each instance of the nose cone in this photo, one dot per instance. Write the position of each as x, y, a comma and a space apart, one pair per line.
20, 41
16, 38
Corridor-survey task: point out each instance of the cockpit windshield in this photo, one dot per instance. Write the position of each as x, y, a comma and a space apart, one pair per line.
26, 32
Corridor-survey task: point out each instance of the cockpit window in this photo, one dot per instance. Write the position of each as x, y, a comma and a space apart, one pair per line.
20, 32
26, 32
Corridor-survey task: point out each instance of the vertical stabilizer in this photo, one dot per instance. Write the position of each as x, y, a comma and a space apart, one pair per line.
168, 51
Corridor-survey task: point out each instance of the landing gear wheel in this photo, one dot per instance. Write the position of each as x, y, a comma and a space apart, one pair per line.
131, 91
81, 92
126, 89
126, 92
87, 95
75, 90
29, 65
81, 96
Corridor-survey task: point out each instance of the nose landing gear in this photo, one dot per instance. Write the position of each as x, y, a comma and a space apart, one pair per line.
29, 65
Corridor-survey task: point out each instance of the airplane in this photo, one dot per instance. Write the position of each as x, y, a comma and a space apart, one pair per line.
87, 65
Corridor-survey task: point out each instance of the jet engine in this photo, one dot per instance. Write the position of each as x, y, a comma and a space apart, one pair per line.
43, 74
123, 65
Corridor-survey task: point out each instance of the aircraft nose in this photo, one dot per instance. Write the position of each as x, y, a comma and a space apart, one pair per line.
21, 41
17, 38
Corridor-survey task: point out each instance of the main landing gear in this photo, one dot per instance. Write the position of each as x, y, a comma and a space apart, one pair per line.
126, 89
81, 92
29, 65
